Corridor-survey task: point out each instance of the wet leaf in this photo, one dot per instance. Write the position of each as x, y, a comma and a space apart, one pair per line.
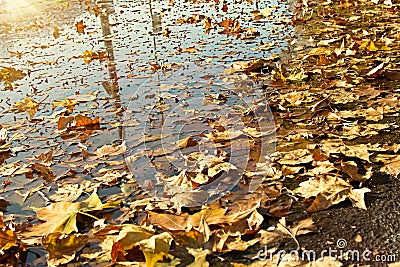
9, 75
108, 150
68, 103
77, 122
80, 27
27, 105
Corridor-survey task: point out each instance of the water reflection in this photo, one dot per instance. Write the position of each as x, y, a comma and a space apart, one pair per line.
111, 85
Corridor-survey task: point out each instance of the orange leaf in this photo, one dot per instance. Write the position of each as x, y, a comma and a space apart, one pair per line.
83, 121
80, 27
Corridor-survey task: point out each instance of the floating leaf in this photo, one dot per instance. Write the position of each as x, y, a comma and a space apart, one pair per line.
80, 27
27, 105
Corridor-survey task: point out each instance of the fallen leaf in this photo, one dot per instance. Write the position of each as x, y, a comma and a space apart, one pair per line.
62, 216
108, 150
187, 142
8, 238
62, 248
392, 167
80, 27
330, 190
27, 105
155, 248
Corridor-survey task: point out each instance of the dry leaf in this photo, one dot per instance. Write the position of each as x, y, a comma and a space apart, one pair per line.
187, 142
7, 237
330, 190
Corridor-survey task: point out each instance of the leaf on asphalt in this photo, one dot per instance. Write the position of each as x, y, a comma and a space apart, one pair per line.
352, 170
46, 158
392, 167
191, 49
299, 228
9, 75
329, 190
295, 157
67, 103
246, 66
80, 27
44, 171
224, 136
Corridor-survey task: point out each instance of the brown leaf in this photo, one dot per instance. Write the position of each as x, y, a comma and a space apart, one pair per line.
351, 169
168, 221
108, 150
330, 190
246, 66
79, 121
46, 157
44, 171
187, 142
80, 27
191, 49
7, 237
62, 247
392, 167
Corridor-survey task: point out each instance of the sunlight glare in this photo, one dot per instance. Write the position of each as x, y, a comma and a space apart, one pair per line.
19, 9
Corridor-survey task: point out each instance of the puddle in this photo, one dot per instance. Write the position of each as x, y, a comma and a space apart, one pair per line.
99, 54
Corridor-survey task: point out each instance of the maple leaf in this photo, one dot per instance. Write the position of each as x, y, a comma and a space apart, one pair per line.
67, 103
392, 167
155, 248
62, 216
9, 75
8, 238
330, 190
27, 105
80, 27
62, 247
